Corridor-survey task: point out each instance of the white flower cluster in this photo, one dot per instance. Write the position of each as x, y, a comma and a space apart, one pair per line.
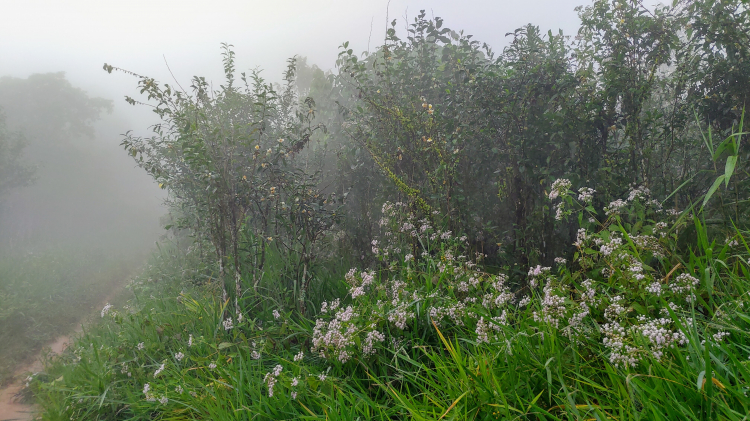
359, 284
147, 391
581, 237
586, 194
559, 188
614, 340
228, 323
640, 192
615, 207
553, 307
106, 309
336, 335
685, 284
271, 378
660, 337
535, 273
373, 336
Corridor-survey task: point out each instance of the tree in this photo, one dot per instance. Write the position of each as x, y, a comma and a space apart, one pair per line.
225, 157
14, 172
47, 107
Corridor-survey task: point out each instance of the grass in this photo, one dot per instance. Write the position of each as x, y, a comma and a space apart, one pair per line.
168, 354
44, 295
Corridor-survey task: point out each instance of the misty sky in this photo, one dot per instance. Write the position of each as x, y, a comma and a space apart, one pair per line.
78, 36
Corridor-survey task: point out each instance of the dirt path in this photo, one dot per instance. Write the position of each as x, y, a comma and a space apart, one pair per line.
10, 410
16, 411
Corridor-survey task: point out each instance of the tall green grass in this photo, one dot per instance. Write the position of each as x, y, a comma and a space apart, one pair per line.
174, 337
44, 295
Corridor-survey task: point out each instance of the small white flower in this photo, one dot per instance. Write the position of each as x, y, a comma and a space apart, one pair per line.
179, 356
212, 366
106, 309
140, 346
228, 324
276, 314
159, 370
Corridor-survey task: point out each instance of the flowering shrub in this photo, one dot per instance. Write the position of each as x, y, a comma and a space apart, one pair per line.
622, 288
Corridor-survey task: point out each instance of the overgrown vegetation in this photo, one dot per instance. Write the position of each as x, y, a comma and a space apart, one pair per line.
437, 232
44, 295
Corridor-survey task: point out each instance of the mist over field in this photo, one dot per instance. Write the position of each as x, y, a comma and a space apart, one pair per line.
394, 209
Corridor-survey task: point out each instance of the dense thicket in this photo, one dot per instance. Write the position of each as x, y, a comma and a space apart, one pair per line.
439, 232
436, 119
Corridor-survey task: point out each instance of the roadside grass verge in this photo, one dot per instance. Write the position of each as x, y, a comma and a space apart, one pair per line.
175, 353
44, 295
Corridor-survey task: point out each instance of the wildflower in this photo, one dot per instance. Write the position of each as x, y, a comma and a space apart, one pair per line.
322, 377
560, 260
106, 309
276, 314
559, 188
524, 301
190, 340
482, 331
159, 370
719, 336
228, 324
255, 355
300, 355
538, 270
193, 394
586, 194
408, 257
212, 366
295, 382
178, 389
147, 392
641, 192
615, 207
654, 288
179, 356
294, 395
163, 400
372, 336
559, 212
140, 346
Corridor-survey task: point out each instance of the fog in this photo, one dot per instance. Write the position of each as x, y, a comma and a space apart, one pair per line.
153, 37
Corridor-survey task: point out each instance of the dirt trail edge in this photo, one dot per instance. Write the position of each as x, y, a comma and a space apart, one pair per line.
10, 410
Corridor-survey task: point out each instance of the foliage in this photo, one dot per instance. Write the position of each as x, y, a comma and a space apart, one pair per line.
226, 159
46, 107
628, 329
13, 171
44, 295
542, 234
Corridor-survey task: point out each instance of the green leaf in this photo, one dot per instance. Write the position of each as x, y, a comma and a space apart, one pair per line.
729, 168
712, 190
224, 345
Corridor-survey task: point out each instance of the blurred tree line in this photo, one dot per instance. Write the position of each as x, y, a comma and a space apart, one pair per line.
53, 135
298, 172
